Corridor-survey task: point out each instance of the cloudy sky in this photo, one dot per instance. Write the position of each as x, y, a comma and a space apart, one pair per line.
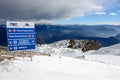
61, 11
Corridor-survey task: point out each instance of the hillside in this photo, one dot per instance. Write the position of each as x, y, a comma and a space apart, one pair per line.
109, 55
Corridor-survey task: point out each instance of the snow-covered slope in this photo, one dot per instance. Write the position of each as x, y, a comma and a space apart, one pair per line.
54, 68
103, 64
108, 55
112, 50
59, 48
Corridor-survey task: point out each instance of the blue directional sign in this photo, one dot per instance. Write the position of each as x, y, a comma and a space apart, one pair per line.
21, 36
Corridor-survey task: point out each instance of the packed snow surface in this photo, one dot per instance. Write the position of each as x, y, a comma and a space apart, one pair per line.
103, 64
55, 68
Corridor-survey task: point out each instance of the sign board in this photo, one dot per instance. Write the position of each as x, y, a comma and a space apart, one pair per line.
21, 35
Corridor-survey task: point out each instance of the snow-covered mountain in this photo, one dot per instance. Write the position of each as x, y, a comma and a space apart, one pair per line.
105, 55
61, 47
105, 34
112, 50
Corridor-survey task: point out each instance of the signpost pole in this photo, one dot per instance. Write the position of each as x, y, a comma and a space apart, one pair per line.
31, 55
13, 55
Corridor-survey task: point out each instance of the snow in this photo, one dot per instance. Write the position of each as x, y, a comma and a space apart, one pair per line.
55, 68
108, 55
107, 59
97, 65
59, 48
112, 50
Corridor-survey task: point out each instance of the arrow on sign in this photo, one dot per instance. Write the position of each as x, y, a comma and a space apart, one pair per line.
10, 30
10, 42
11, 48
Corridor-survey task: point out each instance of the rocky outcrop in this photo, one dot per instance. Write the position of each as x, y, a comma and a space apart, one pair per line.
85, 45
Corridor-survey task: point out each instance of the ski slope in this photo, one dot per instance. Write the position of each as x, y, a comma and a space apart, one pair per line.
55, 68
103, 64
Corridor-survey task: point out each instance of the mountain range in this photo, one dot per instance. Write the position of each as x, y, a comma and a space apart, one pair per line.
45, 33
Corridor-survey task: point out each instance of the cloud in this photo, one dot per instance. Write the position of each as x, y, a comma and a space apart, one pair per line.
110, 23
100, 13
46, 9
45, 22
113, 14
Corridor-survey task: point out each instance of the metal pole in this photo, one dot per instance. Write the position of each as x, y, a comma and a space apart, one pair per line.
13, 55
31, 55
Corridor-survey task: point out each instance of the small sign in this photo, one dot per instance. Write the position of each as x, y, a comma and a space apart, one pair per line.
21, 35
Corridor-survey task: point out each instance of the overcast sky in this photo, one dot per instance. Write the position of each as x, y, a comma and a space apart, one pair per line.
61, 11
